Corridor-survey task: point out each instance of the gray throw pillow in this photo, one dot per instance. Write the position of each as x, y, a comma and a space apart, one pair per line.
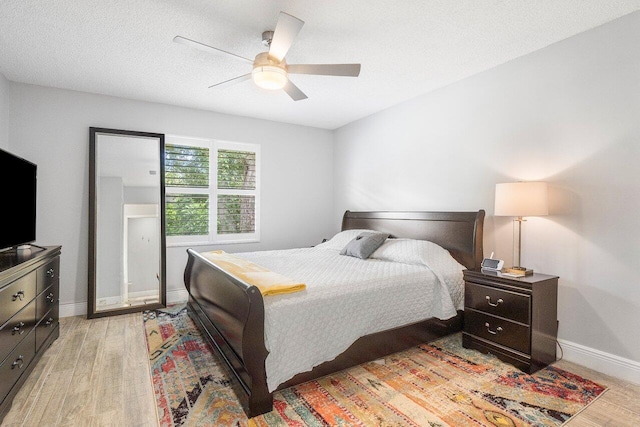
364, 245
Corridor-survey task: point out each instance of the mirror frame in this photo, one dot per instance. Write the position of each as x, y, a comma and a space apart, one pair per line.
93, 227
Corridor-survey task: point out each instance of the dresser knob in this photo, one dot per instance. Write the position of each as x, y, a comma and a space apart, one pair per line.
18, 295
18, 329
18, 362
497, 303
51, 298
498, 329
49, 322
50, 272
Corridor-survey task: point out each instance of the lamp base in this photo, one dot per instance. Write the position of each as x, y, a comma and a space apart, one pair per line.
518, 271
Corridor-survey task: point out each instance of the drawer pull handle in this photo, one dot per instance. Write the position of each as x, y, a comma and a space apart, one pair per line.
18, 329
18, 295
49, 321
50, 272
498, 329
18, 362
51, 298
500, 301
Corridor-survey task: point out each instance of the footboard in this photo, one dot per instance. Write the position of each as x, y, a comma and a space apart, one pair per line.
230, 314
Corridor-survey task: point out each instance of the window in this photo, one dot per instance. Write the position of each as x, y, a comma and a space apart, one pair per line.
212, 191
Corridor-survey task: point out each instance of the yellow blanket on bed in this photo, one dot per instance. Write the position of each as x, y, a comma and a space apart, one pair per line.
267, 281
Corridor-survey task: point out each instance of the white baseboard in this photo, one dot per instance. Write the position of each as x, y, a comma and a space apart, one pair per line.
144, 294
73, 309
607, 363
177, 296
80, 308
109, 301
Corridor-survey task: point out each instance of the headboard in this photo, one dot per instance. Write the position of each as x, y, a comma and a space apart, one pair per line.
458, 232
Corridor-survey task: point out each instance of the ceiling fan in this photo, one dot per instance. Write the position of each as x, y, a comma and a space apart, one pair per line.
270, 69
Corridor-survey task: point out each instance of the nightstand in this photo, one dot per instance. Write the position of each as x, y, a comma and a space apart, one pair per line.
514, 319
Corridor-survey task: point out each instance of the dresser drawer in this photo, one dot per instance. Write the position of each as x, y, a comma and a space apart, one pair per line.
47, 300
16, 329
16, 296
46, 326
499, 302
48, 273
17, 362
505, 332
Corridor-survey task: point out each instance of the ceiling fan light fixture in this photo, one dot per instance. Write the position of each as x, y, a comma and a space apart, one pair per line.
270, 69
269, 77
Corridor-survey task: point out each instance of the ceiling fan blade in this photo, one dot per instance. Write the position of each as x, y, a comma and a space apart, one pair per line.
232, 81
346, 70
206, 48
286, 31
293, 91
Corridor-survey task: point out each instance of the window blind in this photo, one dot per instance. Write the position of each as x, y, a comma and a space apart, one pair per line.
236, 169
236, 214
186, 166
187, 214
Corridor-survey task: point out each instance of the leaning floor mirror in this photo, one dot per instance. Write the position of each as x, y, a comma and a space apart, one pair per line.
127, 266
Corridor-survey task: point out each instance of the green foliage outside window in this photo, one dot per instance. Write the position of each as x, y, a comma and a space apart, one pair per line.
236, 169
236, 214
187, 214
186, 166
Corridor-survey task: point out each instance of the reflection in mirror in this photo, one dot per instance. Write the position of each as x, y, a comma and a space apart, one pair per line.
127, 266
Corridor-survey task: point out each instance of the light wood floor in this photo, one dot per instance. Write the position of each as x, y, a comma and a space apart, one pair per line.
97, 374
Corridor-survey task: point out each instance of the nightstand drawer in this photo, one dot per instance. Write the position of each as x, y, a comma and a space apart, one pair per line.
510, 305
505, 332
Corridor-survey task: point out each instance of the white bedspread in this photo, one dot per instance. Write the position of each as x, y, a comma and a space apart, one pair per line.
346, 298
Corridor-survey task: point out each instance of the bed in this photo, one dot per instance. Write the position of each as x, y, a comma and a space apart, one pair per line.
231, 314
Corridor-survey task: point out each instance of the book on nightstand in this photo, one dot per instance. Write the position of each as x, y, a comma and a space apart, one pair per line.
517, 272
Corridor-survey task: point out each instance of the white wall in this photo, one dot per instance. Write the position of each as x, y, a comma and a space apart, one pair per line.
50, 127
141, 195
568, 114
4, 112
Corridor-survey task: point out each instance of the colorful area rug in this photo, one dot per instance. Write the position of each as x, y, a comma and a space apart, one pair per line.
440, 384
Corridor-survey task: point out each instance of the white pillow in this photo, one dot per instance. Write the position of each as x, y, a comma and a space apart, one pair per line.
434, 257
417, 252
341, 239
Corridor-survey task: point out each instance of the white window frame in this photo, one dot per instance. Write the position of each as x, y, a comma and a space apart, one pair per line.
214, 238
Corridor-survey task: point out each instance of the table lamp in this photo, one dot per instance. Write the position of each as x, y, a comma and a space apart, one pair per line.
521, 199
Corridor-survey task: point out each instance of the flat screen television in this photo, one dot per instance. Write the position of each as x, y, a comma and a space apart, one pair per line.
18, 178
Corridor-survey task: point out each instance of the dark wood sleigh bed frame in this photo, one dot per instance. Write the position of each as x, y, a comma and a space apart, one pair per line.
230, 313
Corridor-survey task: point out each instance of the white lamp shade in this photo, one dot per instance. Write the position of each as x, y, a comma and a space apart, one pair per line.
521, 199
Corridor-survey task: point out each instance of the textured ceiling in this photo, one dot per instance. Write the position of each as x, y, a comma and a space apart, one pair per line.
124, 48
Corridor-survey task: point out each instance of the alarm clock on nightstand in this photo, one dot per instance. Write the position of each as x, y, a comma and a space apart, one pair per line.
492, 264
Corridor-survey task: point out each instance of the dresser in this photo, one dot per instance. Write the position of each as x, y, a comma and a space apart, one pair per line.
514, 319
29, 288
